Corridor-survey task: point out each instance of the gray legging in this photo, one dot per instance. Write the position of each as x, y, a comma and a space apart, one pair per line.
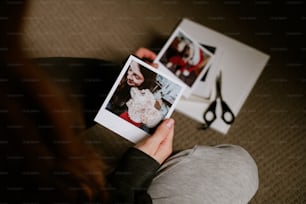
204, 174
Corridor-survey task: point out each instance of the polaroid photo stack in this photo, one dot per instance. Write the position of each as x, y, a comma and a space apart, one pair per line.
207, 53
188, 65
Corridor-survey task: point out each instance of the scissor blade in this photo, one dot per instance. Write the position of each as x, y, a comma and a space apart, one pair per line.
218, 85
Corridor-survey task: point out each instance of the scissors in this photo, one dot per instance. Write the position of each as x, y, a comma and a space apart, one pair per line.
210, 116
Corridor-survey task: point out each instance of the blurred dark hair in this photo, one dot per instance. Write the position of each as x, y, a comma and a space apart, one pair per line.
42, 157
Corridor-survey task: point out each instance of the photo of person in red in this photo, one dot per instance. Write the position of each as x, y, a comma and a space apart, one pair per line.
185, 59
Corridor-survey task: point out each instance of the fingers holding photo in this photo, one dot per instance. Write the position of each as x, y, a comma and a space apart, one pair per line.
146, 55
159, 145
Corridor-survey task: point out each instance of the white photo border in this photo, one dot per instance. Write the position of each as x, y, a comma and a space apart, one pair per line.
205, 88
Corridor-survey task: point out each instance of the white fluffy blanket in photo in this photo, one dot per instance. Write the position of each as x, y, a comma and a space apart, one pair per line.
141, 107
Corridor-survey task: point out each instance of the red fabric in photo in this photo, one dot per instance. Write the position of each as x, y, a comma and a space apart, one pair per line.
125, 116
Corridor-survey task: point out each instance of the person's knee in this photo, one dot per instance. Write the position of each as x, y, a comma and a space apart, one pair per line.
248, 171
238, 161
228, 168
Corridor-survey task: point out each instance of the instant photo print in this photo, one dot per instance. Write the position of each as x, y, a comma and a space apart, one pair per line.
185, 59
141, 98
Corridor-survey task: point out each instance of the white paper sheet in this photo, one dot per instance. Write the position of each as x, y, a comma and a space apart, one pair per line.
241, 66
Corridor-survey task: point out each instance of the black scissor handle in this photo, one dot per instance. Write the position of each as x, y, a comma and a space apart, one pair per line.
210, 114
227, 115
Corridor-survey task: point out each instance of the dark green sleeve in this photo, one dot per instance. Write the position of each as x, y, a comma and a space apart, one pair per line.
131, 179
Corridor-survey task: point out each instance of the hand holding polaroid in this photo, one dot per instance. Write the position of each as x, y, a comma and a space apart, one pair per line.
139, 100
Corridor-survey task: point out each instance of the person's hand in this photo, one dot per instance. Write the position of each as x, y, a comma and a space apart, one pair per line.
159, 145
146, 55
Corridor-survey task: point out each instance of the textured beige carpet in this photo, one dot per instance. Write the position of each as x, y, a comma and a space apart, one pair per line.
272, 123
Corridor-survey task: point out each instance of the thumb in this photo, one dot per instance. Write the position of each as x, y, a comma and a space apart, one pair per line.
164, 149
162, 132
159, 145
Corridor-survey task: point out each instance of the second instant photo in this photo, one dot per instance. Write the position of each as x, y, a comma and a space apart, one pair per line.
185, 59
